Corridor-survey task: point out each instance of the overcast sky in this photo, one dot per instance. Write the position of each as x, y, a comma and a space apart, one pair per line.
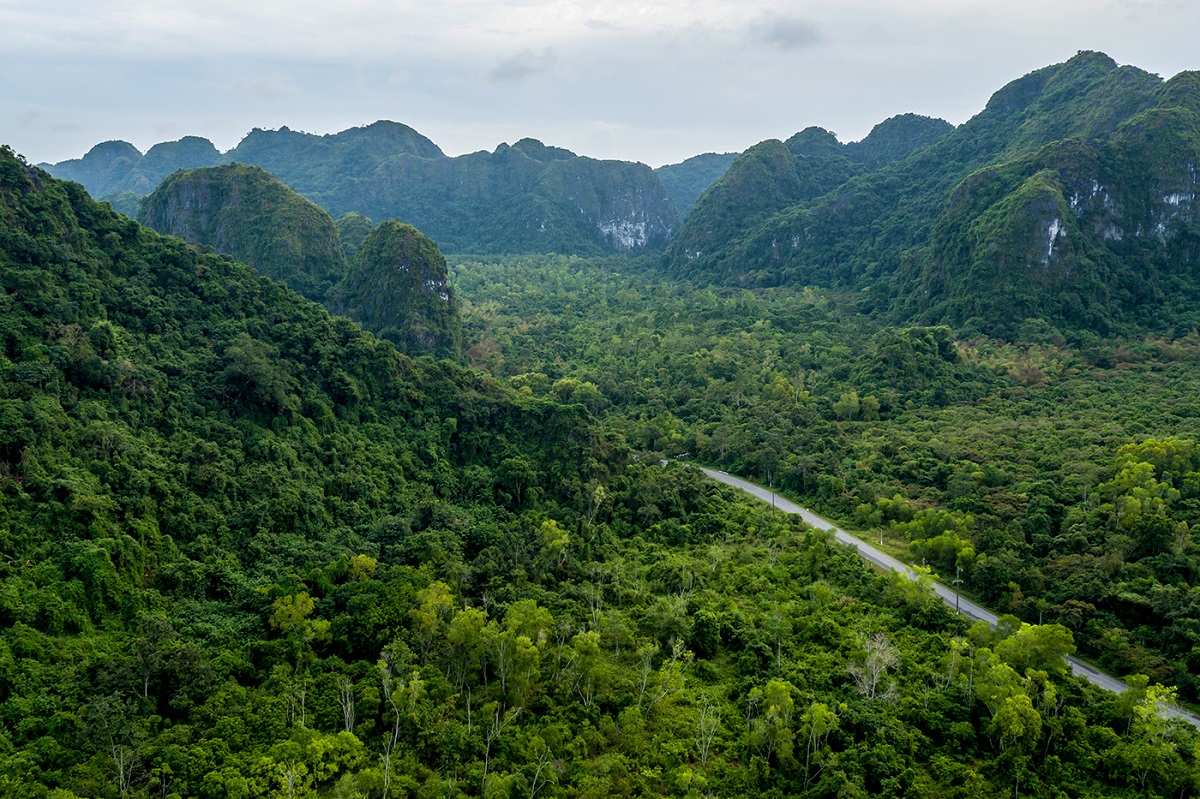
646, 81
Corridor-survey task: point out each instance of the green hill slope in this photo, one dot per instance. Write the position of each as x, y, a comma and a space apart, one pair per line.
895, 139
687, 180
308, 162
116, 166
250, 549
529, 197
764, 181
511, 201
876, 226
398, 287
1096, 234
244, 212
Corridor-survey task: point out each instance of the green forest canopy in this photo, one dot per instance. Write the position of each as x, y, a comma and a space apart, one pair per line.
253, 551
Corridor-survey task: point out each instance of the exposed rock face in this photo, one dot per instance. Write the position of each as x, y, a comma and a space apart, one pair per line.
246, 213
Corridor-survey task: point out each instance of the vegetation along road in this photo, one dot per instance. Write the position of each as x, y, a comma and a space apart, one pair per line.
948, 595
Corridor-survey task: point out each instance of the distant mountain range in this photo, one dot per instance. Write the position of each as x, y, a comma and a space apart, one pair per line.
526, 197
1070, 198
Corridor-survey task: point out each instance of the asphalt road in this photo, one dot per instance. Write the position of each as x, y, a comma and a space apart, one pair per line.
965, 606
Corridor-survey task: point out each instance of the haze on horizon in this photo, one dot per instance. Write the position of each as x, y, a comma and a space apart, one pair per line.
653, 82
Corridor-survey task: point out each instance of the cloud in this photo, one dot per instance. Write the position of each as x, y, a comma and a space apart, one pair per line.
785, 32
604, 24
267, 87
525, 64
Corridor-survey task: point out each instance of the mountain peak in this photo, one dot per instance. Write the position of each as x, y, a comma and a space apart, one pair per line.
814, 141
245, 212
541, 152
896, 138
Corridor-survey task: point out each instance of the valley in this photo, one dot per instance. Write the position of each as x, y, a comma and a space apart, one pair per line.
336, 466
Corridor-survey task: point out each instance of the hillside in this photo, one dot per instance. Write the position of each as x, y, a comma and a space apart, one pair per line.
182, 441
252, 550
773, 176
246, 213
687, 180
528, 197
306, 161
117, 167
1097, 234
877, 231
395, 283
398, 288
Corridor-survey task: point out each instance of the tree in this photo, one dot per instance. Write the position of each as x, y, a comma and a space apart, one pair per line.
543, 766
847, 406
290, 615
516, 477
499, 719
345, 688
553, 542
1037, 646
772, 729
818, 721
1016, 722
120, 735
870, 669
707, 724
465, 634
436, 603
254, 374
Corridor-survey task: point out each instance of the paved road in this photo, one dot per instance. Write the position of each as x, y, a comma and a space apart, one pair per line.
948, 595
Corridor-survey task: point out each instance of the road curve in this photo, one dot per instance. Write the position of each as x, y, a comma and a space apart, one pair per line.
951, 597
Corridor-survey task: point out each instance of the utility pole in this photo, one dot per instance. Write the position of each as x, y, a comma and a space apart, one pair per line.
957, 583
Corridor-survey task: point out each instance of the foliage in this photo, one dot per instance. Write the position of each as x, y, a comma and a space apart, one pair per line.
244, 212
250, 550
118, 168
687, 180
352, 230
399, 289
1050, 478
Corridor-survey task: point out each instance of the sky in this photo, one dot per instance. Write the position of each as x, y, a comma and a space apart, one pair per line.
655, 82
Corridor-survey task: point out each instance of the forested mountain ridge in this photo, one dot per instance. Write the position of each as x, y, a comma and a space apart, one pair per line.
306, 161
394, 284
179, 434
773, 176
527, 197
510, 201
924, 239
1094, 234
115, 167
244, 212
687, 180
251, 550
